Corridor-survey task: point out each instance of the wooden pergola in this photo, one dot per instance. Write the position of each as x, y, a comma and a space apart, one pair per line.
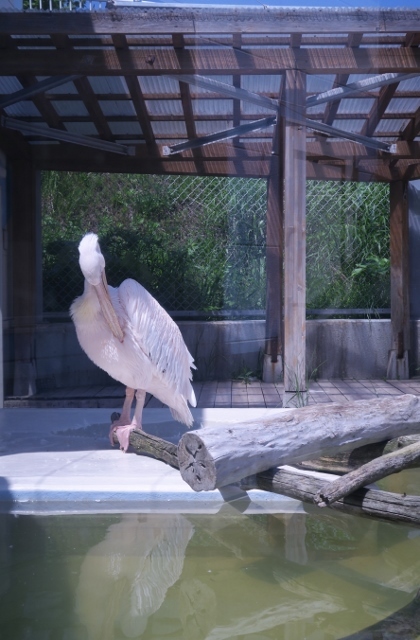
281, 93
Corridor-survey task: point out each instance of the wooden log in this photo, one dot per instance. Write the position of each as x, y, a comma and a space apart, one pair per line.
368, 473
344, 462
303, 486
217, 456
297, 484
152, 446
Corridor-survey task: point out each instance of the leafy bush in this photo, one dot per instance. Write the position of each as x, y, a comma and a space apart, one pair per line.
199, 243
189, 241
347, 245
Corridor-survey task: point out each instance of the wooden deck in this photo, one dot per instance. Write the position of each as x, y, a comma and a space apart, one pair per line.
230, 394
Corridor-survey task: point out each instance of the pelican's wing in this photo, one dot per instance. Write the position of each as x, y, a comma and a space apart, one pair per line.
158, 336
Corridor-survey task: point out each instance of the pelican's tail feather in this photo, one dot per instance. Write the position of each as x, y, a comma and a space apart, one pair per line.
192, 399
182, 413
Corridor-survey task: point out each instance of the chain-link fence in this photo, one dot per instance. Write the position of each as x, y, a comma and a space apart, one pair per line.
348, 246
198, 244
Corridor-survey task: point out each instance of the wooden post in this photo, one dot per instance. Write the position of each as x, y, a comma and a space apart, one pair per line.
294, 150
400, 308
273, 356
24, 281
3, 263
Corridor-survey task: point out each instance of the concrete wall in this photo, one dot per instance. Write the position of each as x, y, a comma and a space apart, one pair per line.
222, 350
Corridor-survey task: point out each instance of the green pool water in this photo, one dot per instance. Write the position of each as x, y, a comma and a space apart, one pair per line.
312, 574
315, 575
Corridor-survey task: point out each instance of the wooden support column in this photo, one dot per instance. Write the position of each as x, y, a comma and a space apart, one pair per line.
23, 278
398, 366
273, 356
294, 160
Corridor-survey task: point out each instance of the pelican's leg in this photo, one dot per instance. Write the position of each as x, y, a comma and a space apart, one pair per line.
125, 417
123, 429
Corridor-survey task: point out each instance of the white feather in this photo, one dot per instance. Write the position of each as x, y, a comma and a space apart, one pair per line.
152, 356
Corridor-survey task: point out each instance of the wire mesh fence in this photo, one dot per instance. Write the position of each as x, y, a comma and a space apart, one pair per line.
348, 245
198, 244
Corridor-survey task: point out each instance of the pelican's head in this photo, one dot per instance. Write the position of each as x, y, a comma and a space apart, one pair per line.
91, 260
92, 264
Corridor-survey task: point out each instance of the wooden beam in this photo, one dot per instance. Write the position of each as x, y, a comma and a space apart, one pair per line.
137, 98
187, 107
273, 356
24, 285
400, 308
379, 107
294, 162
194, 20
154, 61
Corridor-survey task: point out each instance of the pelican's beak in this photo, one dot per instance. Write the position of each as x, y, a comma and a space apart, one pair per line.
107, 308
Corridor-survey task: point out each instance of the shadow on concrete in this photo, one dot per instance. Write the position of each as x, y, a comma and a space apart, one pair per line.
89, 437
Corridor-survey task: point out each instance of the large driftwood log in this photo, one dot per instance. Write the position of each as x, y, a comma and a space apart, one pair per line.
297, 484
303, 486
368, 473
217, 456
341, 463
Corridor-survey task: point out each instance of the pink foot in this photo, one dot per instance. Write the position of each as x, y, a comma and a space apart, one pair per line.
123, 434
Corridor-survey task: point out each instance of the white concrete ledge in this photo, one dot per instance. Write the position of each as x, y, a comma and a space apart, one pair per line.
60, 461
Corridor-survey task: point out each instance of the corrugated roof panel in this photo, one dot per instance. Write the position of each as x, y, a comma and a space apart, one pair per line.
24, 109
70, 108
108, 84
248, 108
9, 84
410, 85
258, 133
164, 107
81, 128
117, 107
67, 88
318, 109
353, 126
353, 106
223, 108
125, 128
319, 83
169, 129
225, 79
269, 84
152, 85
392, 125
403, 105
205, 128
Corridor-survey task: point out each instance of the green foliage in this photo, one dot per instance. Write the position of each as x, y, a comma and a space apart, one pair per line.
348, 245
189, 241
199, 243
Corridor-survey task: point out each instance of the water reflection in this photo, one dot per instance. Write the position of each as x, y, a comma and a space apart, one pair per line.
319, 576
124, 578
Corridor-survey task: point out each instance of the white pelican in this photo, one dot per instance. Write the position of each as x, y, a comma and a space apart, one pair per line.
126, 332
